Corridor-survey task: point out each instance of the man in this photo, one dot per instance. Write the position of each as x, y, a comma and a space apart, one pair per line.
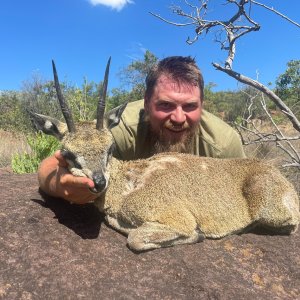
170, 118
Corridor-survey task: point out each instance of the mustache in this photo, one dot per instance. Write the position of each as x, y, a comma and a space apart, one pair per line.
176, 127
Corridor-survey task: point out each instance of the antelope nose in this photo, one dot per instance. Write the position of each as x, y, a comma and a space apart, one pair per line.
100, 182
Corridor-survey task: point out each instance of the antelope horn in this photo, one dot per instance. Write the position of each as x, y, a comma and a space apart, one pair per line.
63, 104
102, 98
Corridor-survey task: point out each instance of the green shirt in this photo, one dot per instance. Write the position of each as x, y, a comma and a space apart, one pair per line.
214, 137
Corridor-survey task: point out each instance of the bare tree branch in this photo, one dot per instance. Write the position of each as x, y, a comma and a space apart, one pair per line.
276, 12
294, 154
170, 22
251, 134
259, 86
265, 137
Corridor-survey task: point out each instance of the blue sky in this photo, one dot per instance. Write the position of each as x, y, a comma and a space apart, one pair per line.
80, 35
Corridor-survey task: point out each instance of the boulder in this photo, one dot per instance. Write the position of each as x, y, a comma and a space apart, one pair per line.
50, 249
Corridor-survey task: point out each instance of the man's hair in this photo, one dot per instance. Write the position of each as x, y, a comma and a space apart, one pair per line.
182, 69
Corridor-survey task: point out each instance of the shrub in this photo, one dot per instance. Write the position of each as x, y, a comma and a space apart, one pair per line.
41, 146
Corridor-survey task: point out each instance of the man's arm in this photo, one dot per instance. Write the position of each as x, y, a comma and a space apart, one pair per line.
55, 180
234, 147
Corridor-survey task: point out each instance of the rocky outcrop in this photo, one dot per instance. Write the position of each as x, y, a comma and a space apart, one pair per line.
50, 249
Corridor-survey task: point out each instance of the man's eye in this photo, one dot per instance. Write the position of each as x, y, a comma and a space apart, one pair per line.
190, 107
164, 105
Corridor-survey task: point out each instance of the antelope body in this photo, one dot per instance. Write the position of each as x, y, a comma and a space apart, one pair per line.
173, 198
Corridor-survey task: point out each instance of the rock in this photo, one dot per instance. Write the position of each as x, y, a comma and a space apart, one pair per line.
50, 249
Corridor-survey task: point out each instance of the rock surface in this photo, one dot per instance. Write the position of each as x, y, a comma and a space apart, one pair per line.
50, 249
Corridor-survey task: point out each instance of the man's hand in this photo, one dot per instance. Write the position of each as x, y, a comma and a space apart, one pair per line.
56, 180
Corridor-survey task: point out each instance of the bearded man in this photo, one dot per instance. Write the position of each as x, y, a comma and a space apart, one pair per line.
170, 118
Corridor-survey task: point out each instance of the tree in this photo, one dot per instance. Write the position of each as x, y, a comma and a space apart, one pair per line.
39, 95
12, 116
133, 77
83, 101
288, 85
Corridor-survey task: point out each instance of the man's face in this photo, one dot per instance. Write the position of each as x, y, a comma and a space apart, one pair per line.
174, 110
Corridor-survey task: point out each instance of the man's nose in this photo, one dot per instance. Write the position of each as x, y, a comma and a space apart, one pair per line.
178, 115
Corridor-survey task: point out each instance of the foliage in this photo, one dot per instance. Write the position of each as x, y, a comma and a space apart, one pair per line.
120, 96
135, 73
39, 95
132, 76
229, 105
288, 85
41, 146
83, 102
12, 115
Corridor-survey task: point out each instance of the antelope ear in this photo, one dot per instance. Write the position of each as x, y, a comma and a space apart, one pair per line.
114, 116
48, 125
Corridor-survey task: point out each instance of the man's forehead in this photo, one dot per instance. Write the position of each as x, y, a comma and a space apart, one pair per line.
167, 82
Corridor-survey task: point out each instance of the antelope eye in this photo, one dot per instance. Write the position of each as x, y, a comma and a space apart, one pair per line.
67, 154
70, 157
63, 152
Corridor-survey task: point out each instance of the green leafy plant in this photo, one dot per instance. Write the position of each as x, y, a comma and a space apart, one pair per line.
41, 146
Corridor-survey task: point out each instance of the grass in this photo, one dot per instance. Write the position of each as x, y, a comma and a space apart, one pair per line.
11, 143
23, 154
273, 154
42, 146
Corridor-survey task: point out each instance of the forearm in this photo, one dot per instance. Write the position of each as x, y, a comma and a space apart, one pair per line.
47, 176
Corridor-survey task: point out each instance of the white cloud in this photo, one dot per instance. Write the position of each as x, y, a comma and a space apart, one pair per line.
114, 4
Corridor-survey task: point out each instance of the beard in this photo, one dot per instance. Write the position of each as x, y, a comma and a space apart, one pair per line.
173, 138
185, 145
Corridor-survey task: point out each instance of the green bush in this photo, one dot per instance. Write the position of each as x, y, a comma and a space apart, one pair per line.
41, 146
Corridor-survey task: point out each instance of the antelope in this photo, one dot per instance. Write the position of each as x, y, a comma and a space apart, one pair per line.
170, 198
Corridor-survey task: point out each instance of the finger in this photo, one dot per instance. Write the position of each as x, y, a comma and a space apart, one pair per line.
83, 181
61, 160
78, 195
70, 180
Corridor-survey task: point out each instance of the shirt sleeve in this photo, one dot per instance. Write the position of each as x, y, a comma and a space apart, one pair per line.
124, 141
234, 147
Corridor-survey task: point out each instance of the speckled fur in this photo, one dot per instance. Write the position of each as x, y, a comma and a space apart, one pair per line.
189, 194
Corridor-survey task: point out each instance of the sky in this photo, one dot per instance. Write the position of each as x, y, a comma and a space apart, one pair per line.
80, 35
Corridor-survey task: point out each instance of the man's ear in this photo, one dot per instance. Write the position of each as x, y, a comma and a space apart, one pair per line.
146, 104
114, 116
48, 125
